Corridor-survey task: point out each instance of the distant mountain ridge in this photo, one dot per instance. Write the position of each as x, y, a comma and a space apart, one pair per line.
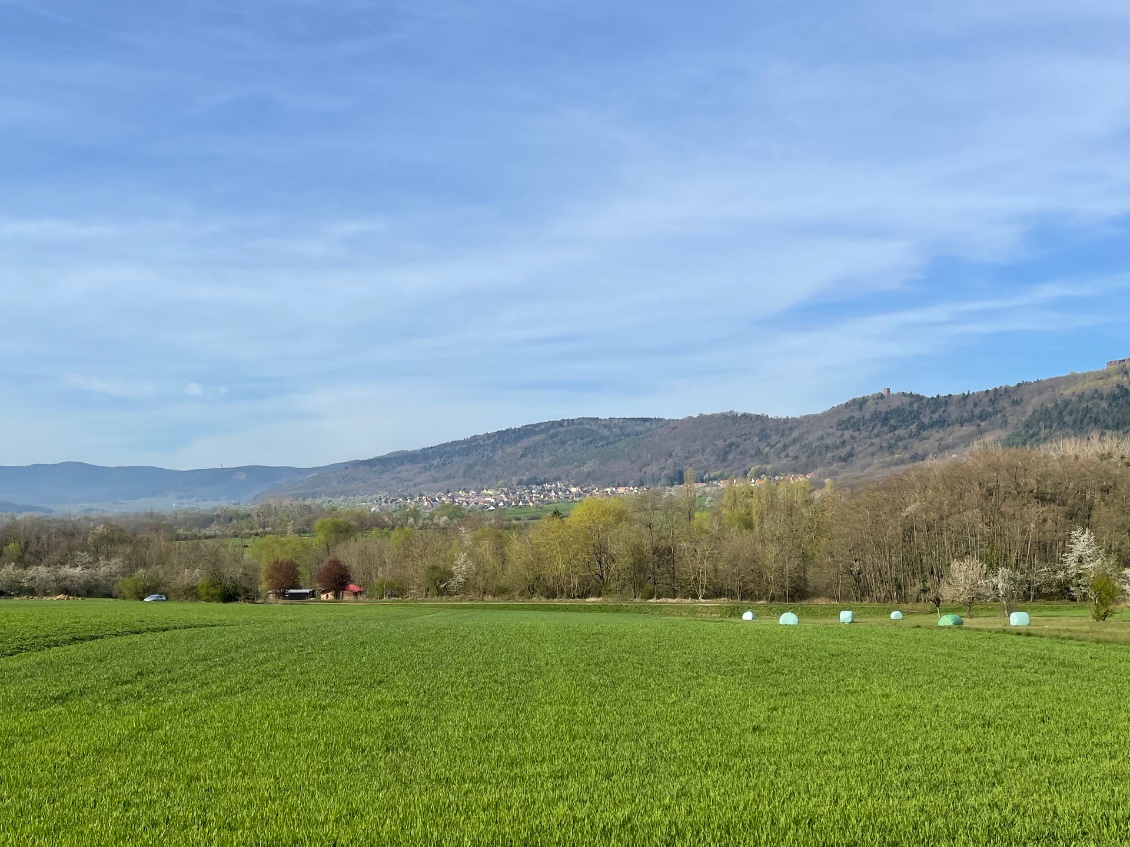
74, 486
7, 508
863, 437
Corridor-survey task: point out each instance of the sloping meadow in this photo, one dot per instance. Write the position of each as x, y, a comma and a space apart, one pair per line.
174, 724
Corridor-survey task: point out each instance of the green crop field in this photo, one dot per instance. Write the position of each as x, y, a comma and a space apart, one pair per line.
168, 724
533, 513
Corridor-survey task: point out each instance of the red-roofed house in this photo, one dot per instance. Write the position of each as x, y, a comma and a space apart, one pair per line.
351, 592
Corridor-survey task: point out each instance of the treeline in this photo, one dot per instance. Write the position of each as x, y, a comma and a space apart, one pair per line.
1012, 510
187, 554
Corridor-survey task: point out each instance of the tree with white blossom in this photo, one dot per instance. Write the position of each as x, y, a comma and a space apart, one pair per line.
1088, 573
1081, 561
1006, 586
461, 572
964, 583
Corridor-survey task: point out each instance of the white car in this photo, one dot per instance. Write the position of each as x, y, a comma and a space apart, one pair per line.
153, 597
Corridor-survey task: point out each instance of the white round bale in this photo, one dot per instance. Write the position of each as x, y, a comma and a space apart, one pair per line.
748, 616
1019, 619
789, 619
896, 615
847, 617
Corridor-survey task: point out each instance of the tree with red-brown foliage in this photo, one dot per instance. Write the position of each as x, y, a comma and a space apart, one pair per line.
333, 576
281, 575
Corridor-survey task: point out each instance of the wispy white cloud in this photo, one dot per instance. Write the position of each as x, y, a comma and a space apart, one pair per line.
757, 217
115, 389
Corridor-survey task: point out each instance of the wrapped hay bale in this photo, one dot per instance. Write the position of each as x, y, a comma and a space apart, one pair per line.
748, 616
896, 615
950, 620
1019, 619
789, 619
847, 617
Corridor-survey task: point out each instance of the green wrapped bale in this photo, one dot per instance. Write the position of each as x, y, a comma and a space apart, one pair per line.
789, 619
1019, 619
950, 620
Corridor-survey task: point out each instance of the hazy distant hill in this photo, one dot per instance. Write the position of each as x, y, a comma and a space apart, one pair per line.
861, 437
72, 486
7, 508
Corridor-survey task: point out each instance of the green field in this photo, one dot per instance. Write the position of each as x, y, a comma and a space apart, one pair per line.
534, 513
168, 724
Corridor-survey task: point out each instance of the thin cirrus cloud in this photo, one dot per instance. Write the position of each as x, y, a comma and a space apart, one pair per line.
298, 233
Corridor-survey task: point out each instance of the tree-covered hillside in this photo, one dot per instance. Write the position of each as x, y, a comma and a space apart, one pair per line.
1093, 411
862, 437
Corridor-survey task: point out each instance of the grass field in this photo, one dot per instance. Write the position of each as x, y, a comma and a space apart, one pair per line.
534, 513
131, 723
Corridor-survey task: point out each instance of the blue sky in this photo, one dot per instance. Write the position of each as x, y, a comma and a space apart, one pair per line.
301, 232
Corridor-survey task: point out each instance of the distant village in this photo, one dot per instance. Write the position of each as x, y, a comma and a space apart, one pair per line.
505, 497
535, 496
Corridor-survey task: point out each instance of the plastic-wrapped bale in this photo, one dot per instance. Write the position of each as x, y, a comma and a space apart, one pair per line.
896, 615
749, 616
950, 620
847, 617
1019, 619
789, 619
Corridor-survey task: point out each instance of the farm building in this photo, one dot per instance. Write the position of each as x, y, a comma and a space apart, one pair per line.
351, 592
293, 594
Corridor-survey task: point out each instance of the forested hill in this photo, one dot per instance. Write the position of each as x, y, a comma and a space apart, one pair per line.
865, 436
